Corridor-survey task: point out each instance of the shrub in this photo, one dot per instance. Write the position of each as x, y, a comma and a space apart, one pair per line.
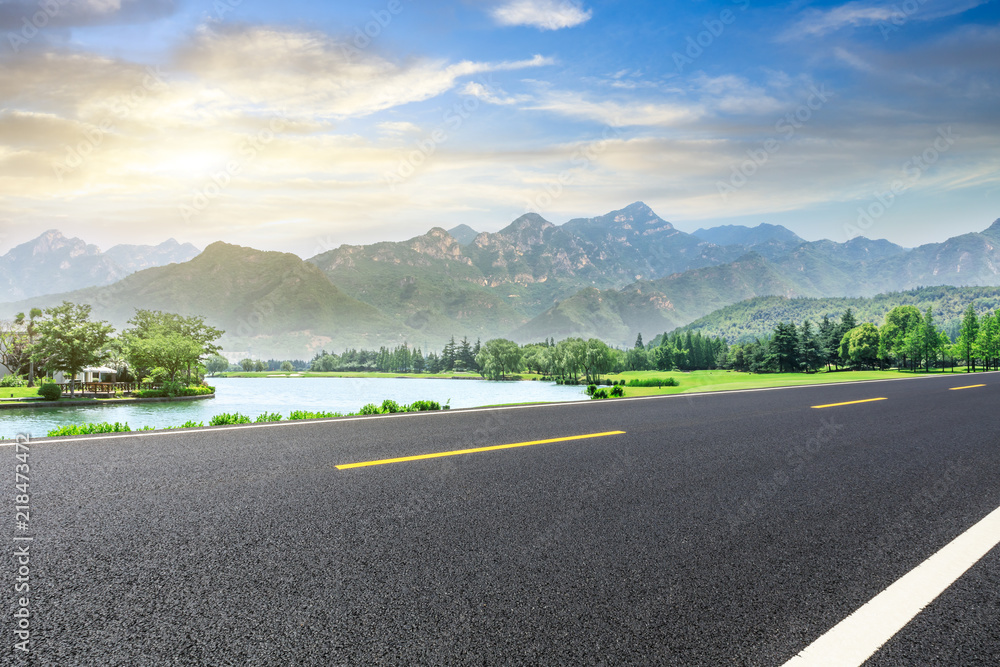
305, 414
50, 391
390, 406
226, 418
617, 391
653, 382
591, 388
421, 406
370, 409
192, 424
600, 393
12, 381
269, 417
87, 429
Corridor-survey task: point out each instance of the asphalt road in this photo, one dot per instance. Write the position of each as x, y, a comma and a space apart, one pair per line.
728, 528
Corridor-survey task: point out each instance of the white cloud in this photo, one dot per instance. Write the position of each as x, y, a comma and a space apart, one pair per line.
542, 14
859, 13
491, 95
616, 114
311, 74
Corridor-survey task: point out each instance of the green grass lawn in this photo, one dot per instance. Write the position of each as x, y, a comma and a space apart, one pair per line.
18, 392
696, 381
32, 392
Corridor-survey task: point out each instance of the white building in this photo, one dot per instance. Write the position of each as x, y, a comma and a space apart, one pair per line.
91, 374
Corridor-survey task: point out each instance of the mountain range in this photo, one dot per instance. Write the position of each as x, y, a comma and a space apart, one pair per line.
611, 276
53, 263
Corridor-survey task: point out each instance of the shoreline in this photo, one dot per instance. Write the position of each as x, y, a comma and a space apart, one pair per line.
18, 403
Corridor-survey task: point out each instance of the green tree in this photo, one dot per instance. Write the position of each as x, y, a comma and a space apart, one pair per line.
68, 341
216, 364
967, 338
598, 359
153, 330
169, 351
898, 323
811, 354
286, 367
863, 345
638, 342
986, 347
29, 328
498, 357
785, 347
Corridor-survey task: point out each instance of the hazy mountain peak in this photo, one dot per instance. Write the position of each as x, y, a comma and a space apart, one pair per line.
749, 236
463, 234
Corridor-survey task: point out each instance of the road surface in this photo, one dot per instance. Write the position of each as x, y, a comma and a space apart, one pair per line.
726, 528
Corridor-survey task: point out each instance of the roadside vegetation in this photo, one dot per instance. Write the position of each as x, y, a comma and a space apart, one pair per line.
387, 406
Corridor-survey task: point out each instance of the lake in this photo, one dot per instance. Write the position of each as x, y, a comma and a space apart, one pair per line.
253, 396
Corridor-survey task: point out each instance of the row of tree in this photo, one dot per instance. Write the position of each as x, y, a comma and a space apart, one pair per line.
906, 339
461, 356
64, 339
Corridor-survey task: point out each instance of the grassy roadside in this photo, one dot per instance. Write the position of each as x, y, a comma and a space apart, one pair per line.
697, 381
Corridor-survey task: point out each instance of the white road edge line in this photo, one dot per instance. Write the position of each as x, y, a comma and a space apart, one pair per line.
860, 635
457, 411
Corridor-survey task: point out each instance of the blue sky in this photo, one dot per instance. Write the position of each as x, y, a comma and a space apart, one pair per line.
300, 126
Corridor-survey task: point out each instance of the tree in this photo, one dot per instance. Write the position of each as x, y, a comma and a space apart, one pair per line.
638, 342
931, 347
898, 323
216, 364
68, 341
499, 357
863, 344
154, 330
33, 314
985, 346
967, 337
15, 351
169, 351
247, 365
597, 359
811, 354
449, 355
463, 355
286, 367
785, 347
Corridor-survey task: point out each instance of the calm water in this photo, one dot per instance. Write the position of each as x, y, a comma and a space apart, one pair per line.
253, 396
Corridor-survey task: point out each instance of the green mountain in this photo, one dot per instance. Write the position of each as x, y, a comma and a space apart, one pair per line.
265, 301
610, 276
426, 283
617, 316
757, 317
